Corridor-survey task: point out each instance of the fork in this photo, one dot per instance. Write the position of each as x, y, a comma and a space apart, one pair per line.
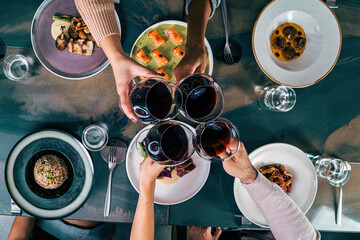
111, 164
227, 51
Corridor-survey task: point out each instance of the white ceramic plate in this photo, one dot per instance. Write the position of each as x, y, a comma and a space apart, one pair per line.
304, 179
182, 190
322, 48
167, 54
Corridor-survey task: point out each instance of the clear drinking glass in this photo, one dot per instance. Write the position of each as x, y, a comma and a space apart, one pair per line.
332, 169
16, 67
217, 140
95, 137
169, 143
203, 99
155, 100
277, 98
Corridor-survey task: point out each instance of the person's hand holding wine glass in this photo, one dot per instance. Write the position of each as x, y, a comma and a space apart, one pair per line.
239, 166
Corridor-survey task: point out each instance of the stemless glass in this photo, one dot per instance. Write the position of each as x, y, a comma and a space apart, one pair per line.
277, 98
95, 137
203, 99
155, 99
169, 143
16, 67
217, 140
332, 169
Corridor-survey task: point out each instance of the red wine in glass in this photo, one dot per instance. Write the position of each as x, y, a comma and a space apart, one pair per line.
215, 139
153, 101
169, 143
202, 98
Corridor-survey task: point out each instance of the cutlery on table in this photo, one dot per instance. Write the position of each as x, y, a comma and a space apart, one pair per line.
112, 164
227, 51
343, 179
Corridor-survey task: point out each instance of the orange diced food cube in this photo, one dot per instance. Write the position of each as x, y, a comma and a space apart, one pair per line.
142, 57
173, 34
159, 57
178, 52
158, 40
162, 72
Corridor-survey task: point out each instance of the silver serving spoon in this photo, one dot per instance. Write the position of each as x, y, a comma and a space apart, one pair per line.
341, 181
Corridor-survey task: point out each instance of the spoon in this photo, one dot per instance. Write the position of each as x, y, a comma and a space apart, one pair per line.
113, 154
339, 182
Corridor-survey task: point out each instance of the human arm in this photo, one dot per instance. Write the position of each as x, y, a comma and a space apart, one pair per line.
194, 60
22, 228
286, 220
100, 18
202, 233
144, 222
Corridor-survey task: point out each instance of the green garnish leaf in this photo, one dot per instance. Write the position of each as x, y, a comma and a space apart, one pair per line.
42, 162
142, 151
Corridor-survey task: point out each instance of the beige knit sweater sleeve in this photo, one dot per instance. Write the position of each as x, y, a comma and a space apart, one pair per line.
99, 16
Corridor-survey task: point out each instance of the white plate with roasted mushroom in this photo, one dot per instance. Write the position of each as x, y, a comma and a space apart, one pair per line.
285, 165
175, 184
296, 43
63, 43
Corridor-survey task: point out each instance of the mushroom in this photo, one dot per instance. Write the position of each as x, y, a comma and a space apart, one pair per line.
290, 32
70, 45
82, 34
88, 48
299, 43
61, 41
279, 43
289, 53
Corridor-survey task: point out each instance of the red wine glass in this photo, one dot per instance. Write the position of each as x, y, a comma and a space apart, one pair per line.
203, 99
217, 140
169, 143
155, 100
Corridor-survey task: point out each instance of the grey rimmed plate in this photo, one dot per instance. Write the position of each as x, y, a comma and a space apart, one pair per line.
40, 202
62, 63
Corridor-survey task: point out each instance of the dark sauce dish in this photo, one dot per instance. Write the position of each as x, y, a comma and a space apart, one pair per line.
49, 203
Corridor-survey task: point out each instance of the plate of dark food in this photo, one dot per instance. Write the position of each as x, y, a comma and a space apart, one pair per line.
63, 43
289, 168
161, 47
296, 43
175, 184
49, 174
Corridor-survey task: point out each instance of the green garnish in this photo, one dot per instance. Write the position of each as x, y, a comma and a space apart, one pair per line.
142, 151
62, 18
42, 162
41, 169
55, 177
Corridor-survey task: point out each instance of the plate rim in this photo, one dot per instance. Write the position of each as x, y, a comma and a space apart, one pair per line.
33, 137
131, 145
42, 6
184, 24
296, 86
237, 182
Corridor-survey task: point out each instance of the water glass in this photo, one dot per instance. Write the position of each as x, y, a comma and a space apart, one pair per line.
16, 67
95, 137
277, 98
155, 100
203, 99
217, 140
331, 169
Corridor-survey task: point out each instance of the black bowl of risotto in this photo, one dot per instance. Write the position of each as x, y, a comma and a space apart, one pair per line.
49, 174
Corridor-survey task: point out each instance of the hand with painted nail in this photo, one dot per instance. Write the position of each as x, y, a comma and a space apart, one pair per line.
202, 233
125, 70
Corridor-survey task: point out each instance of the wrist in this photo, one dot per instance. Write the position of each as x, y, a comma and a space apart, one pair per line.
249, 177
147, 187
197, 45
